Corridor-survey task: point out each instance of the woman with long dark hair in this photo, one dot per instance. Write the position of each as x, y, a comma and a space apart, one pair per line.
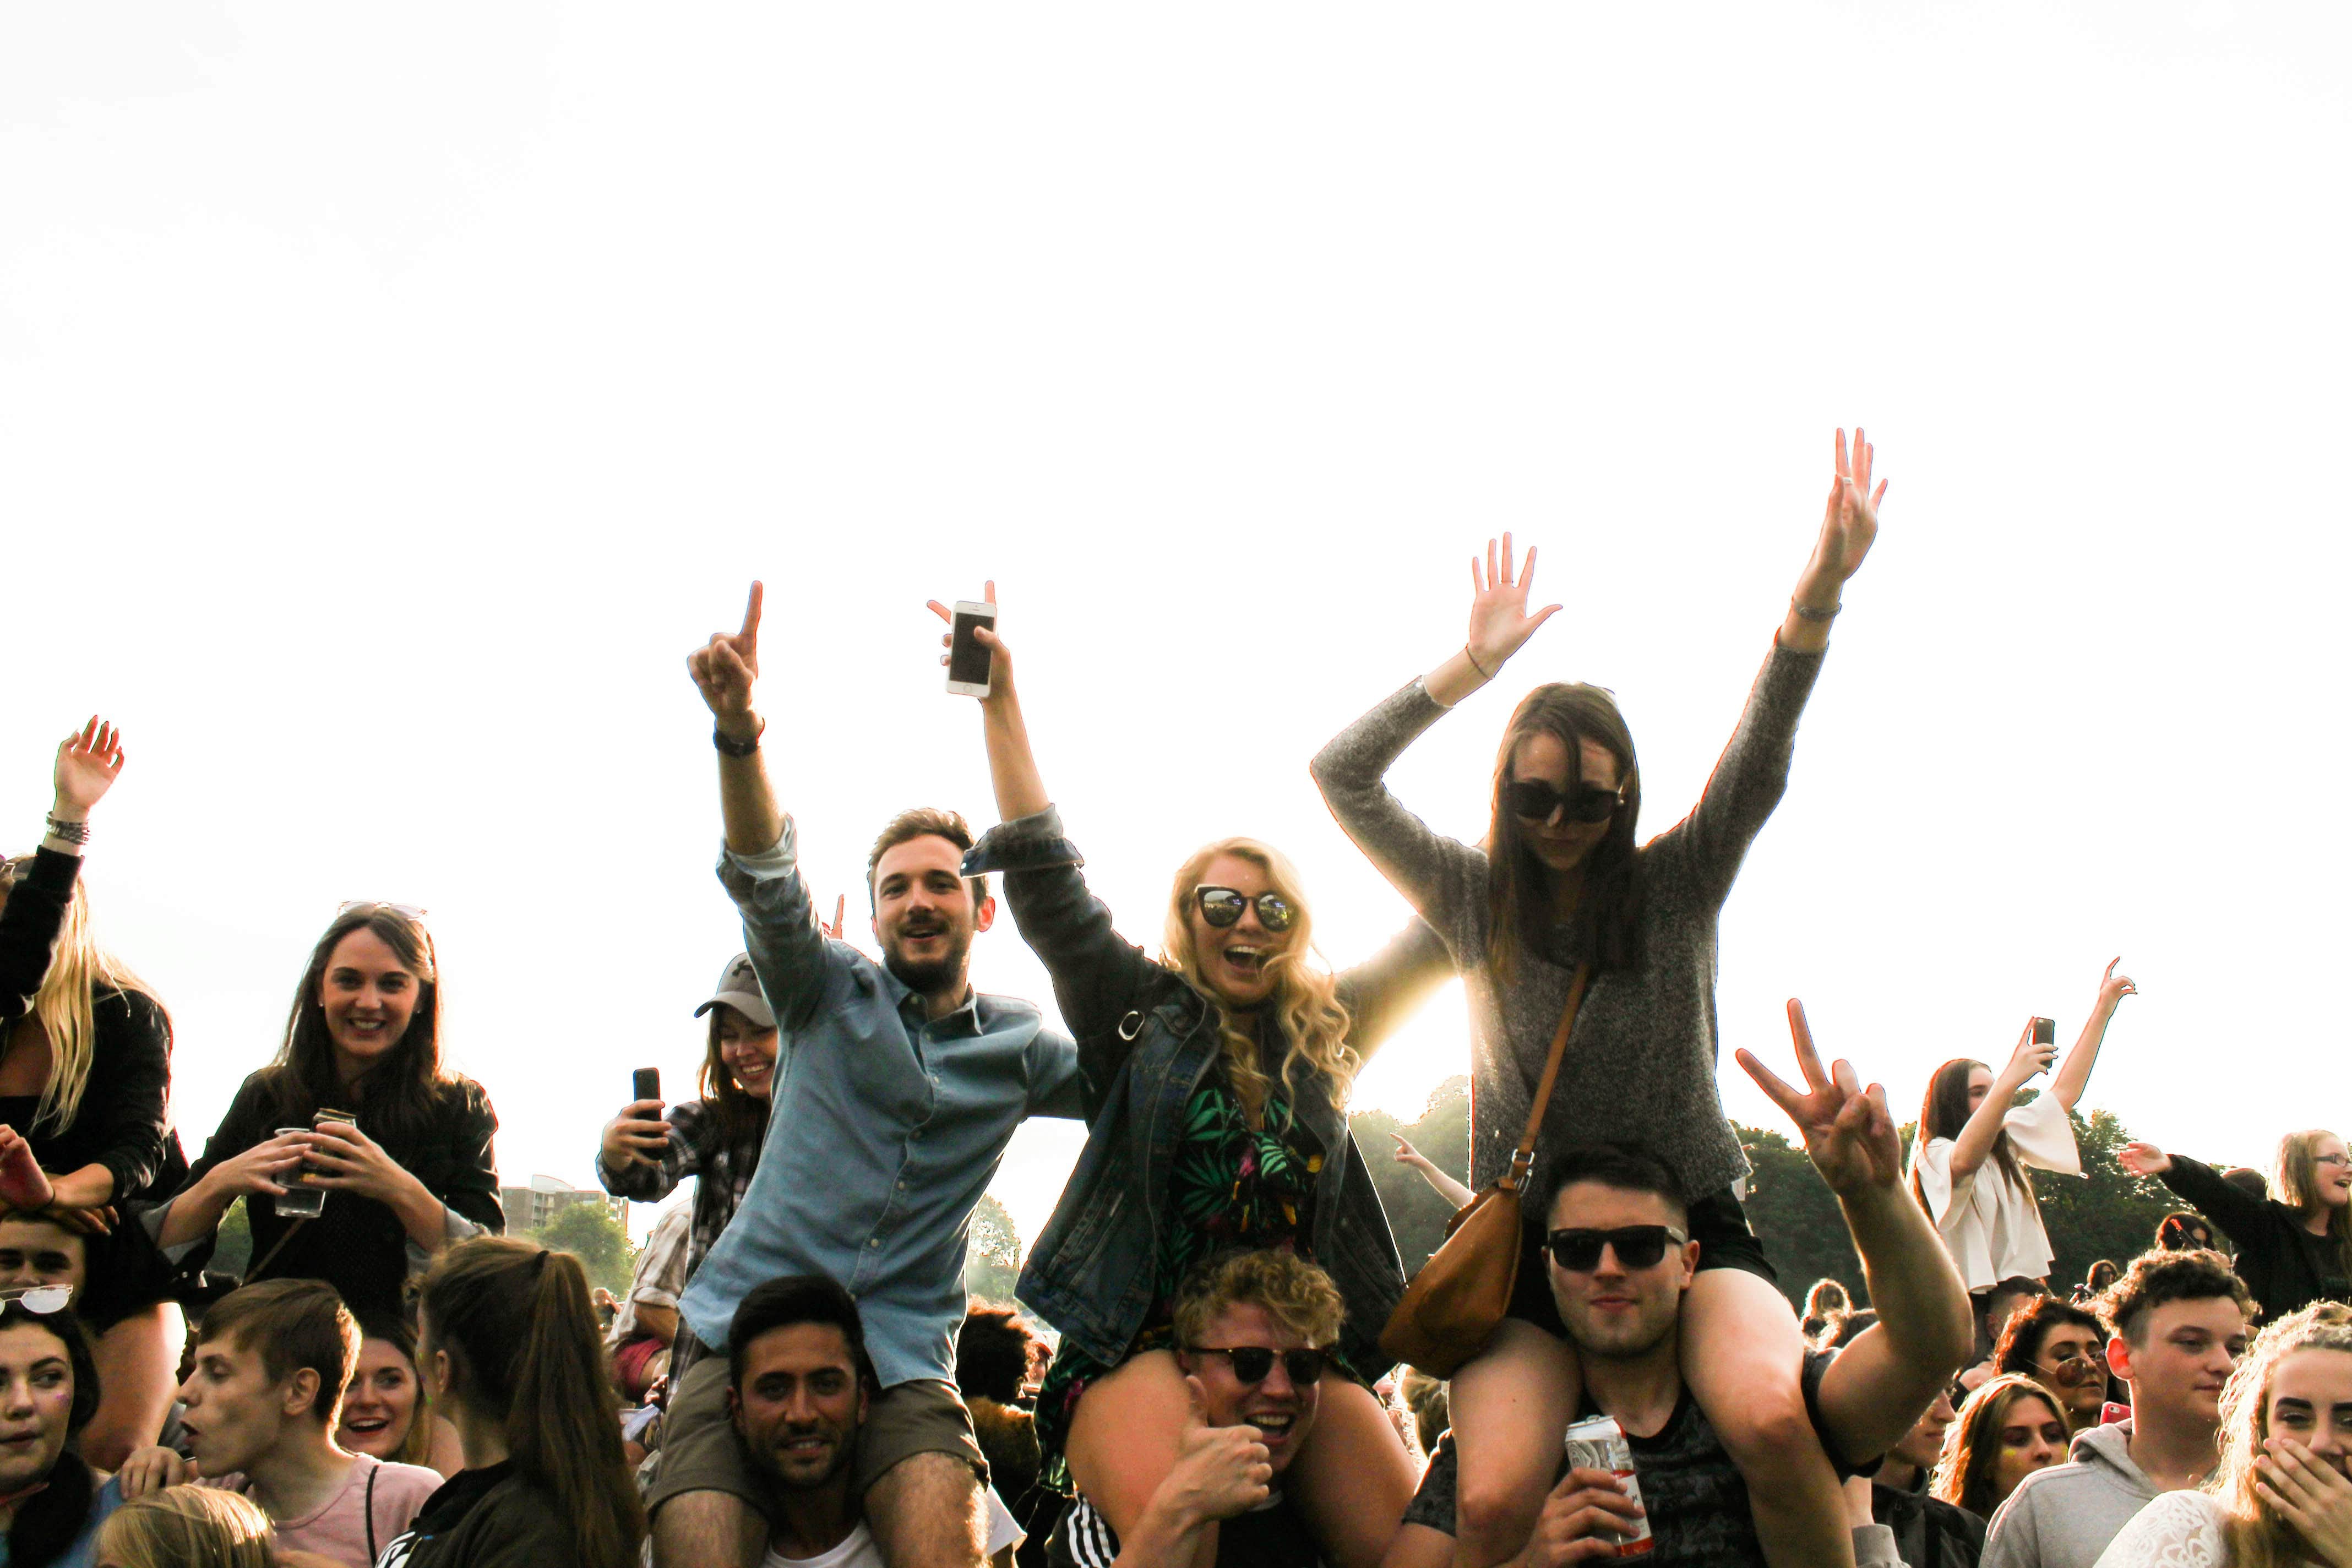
410, 1172
1216, 1073
2009, 1428
2291, 1253
51, 1502
511, 1351
1975, 1143
1561, 882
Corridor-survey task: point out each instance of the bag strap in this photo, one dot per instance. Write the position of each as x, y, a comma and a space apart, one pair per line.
1523, 1158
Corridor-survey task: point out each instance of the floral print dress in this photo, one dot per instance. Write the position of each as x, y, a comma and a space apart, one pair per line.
1232, 1187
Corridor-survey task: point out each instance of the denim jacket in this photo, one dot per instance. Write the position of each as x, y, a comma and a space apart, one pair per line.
1145, 1038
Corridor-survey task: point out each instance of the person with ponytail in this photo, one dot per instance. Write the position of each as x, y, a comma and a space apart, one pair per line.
2290, 1253
1216, 1075
51, 1502
511, 1353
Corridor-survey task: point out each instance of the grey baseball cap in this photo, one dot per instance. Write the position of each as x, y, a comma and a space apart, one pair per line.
739, 987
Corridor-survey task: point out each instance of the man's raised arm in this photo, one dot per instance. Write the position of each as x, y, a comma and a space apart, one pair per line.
1887, 1377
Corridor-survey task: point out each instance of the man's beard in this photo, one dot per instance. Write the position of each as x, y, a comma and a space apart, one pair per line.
764, 1459
926, 979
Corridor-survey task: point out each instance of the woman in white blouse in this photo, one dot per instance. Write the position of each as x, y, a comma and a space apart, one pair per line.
2280, 1495
1975, 1142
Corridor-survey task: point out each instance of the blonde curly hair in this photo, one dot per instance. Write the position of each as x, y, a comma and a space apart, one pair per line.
1306, 995
2259, 1538
1294, 1292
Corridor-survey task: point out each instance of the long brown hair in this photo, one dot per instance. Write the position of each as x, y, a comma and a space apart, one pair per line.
2295, 1177
740, 1114
1944, 1114
1972, 1446
398, 1096
1605, 930
515, 1321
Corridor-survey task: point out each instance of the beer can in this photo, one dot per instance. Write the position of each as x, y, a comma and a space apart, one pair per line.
1599, 1444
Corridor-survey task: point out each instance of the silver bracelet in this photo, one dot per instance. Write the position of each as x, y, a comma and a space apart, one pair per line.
69, 832
1807, 611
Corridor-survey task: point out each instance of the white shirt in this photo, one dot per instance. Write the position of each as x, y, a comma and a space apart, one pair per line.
2178, 1529
1990, 1223
858, 1550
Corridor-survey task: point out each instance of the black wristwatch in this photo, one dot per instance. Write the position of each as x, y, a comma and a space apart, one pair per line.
737, 748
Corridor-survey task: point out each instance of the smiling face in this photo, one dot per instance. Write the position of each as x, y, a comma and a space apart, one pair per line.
1235, 960
2072, 1362
379, 1401
2331, 1172
1542, 758
1615, 1312
235, 1410
41, 1252
2310, 1400
800, 1403
36, 1390
2031, 1437
368, 994
2180, 1357
747, 1051
924, 915
1283, 1412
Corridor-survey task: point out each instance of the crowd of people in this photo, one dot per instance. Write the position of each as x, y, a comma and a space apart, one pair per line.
1196, 1373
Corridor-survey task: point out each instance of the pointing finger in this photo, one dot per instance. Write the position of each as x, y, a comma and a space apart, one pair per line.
751, 633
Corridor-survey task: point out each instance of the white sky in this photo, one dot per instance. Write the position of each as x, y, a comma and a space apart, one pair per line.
391, 397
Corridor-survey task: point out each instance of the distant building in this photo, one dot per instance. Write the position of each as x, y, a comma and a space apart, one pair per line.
529, 1208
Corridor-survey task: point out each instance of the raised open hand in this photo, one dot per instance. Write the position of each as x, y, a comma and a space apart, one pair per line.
89, 761
999, 669
1500, 622
727, 669
1850, 1135
2143, 1159
1850, 521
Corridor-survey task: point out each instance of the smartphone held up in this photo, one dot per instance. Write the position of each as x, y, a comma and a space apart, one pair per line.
971, 662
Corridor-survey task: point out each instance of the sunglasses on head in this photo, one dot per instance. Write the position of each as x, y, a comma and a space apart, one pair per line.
1636, 1246
41, 1299
1253, 1364
1532, 800
410, 911
1222, 906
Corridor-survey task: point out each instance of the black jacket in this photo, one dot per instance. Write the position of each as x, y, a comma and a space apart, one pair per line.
2282, 1263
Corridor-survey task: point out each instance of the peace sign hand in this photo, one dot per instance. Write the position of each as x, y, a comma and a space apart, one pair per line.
1500, 622
1849, 1134
727, 669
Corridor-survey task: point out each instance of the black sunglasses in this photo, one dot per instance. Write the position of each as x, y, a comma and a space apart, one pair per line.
1222, 906
1532, 800
1636, 1246
1253, 1364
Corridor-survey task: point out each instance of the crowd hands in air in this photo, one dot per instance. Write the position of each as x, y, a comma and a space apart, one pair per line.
1196, 1373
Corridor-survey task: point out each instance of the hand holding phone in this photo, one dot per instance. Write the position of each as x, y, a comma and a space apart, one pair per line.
972, 658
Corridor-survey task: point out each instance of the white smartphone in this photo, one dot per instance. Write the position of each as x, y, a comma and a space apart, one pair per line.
970, 664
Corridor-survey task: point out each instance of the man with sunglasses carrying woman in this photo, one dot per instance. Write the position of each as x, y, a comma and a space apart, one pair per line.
1215, 1075
1560, 883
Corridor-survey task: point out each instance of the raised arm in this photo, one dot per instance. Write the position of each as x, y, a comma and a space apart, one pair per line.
1892, 1373
2240, 1215
89, 761
1973, 1147
2074, 1072
1849, 527
1012, 765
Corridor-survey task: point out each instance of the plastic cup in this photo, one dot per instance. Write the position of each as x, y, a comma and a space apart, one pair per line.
298, 1201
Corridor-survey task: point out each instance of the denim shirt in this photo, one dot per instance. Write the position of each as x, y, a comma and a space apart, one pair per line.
886, 1129
1146, 1038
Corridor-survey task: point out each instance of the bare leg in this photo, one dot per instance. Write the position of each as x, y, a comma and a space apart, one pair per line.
1510, 1408
1124, 1437
1353, 1478
708, 1530
926, 1511
138, 1366
1418, 1546
1742, 1351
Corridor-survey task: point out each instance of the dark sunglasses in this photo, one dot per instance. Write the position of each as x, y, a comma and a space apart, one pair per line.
1636, 1246
1532, 800
1253, 1364
1222, 906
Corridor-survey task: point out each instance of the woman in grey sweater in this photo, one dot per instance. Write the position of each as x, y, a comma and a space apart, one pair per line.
1565, 885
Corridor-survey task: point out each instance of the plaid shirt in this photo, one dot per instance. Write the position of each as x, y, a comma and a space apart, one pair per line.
697, 1148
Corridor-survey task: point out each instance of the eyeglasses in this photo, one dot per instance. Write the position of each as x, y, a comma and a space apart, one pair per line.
41, 1299
1532, 800
1222, 906
1636, 1246
1253, 1364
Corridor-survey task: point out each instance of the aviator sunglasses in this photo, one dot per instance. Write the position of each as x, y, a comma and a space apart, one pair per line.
1222, 906
1253, 1364
1636, 1246
41, 1299
1532, 800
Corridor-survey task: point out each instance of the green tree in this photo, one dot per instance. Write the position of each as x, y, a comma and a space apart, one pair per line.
233, 1248
1797, 1218
992, 1260
591, 1230
1417, 1215
2106, 1211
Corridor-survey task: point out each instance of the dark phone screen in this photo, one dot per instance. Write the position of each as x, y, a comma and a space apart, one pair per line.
968, 661
2045, 1031
646, 1083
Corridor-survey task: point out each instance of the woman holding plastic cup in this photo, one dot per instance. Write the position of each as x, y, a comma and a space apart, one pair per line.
357, 1114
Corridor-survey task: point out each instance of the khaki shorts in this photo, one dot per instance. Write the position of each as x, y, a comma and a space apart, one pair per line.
700, 1450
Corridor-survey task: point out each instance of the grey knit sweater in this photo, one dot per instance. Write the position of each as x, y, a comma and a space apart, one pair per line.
1641, 1062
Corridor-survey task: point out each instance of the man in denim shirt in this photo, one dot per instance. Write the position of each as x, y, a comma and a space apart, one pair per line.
897, 1092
